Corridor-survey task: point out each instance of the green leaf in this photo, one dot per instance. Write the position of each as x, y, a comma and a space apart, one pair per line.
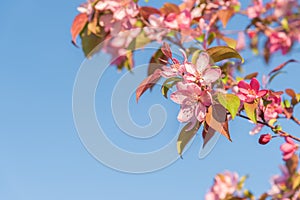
229, 101
250, 109
211, 38
195, 56
186, 135
223, 52
168, 84
296, 182
90, 42
140, 41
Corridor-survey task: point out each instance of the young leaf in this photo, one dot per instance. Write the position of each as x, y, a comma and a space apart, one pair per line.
186, 135
250, 76
89, 42
140, 41
225, 15
216, 118
168, 84
250, 109
229, 101
223, 52
78, 25
170, 8
281, 66
292, 164
146, 11
290, 92
166, 50
229, 41
147, 83
207, 134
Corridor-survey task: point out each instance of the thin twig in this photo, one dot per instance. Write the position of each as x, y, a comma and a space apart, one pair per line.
281, 132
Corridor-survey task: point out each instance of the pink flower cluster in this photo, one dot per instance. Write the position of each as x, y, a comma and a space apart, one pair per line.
224, 185
194, 91
281, 188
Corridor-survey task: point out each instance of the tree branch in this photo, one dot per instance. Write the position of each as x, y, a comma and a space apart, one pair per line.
281, 132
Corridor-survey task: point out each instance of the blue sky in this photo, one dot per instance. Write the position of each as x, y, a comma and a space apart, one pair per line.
41, 155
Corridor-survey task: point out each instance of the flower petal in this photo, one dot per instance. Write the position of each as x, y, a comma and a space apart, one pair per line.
254, 84
211, 75
244, 85
202, 62
186, 113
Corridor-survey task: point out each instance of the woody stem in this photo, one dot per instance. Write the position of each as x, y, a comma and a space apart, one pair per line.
281, 132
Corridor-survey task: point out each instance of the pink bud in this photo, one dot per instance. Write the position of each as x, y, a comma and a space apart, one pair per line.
265, 139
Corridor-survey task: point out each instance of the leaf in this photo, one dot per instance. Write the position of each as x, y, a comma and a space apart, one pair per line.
140, 41
281, 66
156, 62
166, 50
78, 25
223, 52
147, 83
263, 196
211, 38
229, 41
290, 92
225, 15
292, 164
296, 182
216, 118
207, 134
195, 56
169, 8
169, 83
89, 42
250, 109
146, 11
229, 101
250, 76
274, 75
186, 135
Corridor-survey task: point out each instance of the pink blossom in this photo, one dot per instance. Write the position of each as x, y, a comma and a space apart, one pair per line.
86, 8
120, 9
284, 7
202, 73
177, 68
288, 148
250, 92
255, 10
180, 21
241, 41
156, 30
279, 41
224, 184
279, 181
193, 102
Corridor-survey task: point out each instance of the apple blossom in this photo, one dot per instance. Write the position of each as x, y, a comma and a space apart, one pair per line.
193, 102
250, 92
288, 148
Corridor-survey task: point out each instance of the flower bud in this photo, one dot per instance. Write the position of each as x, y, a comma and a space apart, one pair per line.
265, 139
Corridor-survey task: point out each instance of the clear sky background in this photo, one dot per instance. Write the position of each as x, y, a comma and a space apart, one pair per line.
41, 155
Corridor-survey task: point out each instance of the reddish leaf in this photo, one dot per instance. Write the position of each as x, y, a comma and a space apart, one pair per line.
166, 50
225, 15
217, 120
147, 11
250, 76
288, 112
78, 25
282, 66
207, 134
156, 61
169, 8
147, 83
290, 92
